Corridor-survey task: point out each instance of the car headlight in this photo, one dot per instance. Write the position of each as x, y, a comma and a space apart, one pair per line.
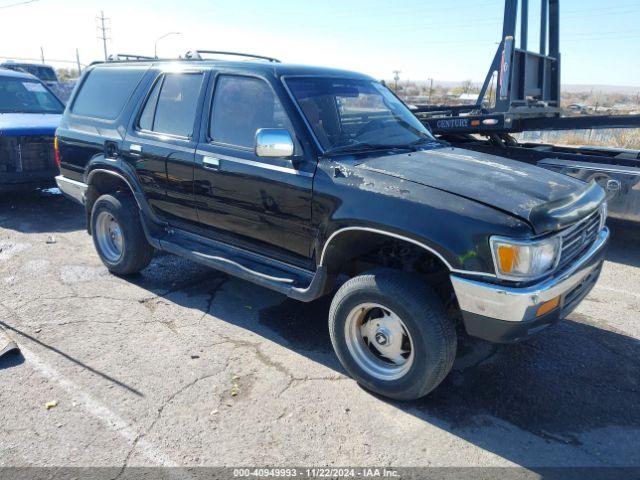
525, 260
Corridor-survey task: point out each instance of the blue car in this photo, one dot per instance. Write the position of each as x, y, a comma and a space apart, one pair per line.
29, 116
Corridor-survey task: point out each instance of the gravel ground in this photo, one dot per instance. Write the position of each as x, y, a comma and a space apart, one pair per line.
182, 365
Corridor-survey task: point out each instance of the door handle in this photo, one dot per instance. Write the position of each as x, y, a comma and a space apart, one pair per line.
212, 163
135, 149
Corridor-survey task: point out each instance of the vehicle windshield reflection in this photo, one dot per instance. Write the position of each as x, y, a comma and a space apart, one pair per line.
351, 114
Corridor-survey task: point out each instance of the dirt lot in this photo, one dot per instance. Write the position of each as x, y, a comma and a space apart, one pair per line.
182, 365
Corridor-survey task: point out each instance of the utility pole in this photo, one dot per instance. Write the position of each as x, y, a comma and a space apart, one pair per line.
430, 88
42, 54
102, 29
396, 78
78, 62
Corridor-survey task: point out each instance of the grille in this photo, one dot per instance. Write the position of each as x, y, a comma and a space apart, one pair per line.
579, 238
26, 154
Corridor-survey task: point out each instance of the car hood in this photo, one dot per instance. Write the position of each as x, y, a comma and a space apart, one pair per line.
12, 124
547, 200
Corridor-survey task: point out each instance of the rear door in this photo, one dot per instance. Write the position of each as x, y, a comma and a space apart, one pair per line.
161, 143
260, 203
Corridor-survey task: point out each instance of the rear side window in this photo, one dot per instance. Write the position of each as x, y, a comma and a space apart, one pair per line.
105, 92
172, 104
149, 111
241, 106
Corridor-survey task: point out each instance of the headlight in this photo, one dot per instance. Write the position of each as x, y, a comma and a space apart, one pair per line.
525, 260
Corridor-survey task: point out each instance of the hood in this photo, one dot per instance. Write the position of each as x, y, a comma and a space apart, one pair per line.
547, 200
13, 124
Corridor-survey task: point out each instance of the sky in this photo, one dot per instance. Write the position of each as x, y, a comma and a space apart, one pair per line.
451, 40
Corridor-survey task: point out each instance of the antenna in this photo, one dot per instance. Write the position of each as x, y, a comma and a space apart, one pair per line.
102, 29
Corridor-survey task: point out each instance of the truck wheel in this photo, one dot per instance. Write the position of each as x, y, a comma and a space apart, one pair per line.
391, 334
118, 235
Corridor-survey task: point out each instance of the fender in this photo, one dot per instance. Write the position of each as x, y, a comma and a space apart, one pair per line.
454, 229
403, 238
153, 227
122, 170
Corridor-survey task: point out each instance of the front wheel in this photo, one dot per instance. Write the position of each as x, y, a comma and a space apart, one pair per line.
118, 235
391, 334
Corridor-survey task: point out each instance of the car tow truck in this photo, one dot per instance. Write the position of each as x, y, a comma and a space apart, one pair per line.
527, 98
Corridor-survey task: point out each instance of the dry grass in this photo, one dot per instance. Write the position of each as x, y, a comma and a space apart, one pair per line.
618, 138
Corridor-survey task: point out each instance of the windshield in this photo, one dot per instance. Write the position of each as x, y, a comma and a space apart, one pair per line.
19, 95
348, 114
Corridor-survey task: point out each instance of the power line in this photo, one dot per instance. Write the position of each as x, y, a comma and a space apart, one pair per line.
17, 4
102, 28
32, 59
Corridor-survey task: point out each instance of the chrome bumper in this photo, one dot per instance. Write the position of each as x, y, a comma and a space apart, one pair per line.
72, 188
512, 304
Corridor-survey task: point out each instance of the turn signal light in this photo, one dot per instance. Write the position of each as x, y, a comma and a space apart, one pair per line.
546, 307
507, 256
56, 152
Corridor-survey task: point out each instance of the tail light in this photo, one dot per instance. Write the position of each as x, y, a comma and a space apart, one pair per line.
56, 152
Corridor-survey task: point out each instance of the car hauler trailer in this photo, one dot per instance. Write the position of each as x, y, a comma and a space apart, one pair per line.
527, 98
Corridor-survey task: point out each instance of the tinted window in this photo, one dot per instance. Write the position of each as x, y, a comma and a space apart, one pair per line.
26, 96
242, 105
177, 103
43, 73
146, 118
105, 91
46, 74
172, 105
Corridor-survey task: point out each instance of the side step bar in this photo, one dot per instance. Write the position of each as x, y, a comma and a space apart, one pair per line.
294, 282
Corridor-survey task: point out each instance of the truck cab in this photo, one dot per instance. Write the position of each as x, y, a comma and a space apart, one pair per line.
313, 181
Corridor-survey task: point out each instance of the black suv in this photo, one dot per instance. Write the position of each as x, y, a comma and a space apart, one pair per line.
310, 181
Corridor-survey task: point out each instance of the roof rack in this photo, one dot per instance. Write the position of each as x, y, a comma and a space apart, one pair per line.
120, 57
189, 56
197, 55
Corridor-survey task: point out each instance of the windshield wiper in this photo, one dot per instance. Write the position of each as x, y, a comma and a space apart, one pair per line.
422, 141
363, 147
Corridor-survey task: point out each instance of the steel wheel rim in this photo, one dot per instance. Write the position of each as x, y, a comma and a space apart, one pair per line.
109, 237
379, 341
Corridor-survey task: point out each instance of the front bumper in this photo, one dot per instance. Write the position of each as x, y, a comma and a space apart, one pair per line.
507, 314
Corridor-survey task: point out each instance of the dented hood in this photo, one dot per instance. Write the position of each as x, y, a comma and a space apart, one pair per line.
547, 200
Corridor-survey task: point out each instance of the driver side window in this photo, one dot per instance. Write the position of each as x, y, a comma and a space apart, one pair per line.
241, 106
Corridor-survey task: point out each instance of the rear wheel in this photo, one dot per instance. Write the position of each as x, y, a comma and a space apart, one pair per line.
118, 235
391, 333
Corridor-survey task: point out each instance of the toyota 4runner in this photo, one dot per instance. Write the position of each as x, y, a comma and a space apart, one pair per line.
312, 181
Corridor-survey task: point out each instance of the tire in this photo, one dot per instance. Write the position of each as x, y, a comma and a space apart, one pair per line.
118, 235
384, 295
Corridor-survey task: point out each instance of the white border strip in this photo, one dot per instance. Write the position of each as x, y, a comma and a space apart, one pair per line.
406, 239
267, 166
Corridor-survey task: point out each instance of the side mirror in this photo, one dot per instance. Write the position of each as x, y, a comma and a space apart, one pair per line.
274, 142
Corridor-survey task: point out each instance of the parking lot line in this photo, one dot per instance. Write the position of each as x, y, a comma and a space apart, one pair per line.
100, 411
